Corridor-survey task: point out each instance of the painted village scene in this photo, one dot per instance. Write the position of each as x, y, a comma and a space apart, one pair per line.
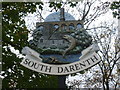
60, 38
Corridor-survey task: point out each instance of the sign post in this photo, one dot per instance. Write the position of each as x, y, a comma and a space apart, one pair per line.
61, 82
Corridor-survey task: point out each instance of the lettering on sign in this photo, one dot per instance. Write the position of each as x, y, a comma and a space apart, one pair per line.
34, 64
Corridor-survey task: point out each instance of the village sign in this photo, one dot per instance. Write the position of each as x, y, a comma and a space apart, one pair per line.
61, 46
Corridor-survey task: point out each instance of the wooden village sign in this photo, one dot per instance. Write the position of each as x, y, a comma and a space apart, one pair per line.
60, 46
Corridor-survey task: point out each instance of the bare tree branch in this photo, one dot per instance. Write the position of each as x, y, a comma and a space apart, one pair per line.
40, 14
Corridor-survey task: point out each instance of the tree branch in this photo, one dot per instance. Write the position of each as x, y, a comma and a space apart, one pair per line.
40, 14
85, 14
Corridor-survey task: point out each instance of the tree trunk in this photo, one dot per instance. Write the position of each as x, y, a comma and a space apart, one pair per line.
61, 82
116, 86
103, 83
107, 85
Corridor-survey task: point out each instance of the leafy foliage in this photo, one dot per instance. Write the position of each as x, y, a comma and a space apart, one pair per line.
115, 7
58, 5
15, 34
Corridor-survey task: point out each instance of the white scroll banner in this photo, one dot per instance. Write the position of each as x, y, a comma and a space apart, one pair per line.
35, 64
